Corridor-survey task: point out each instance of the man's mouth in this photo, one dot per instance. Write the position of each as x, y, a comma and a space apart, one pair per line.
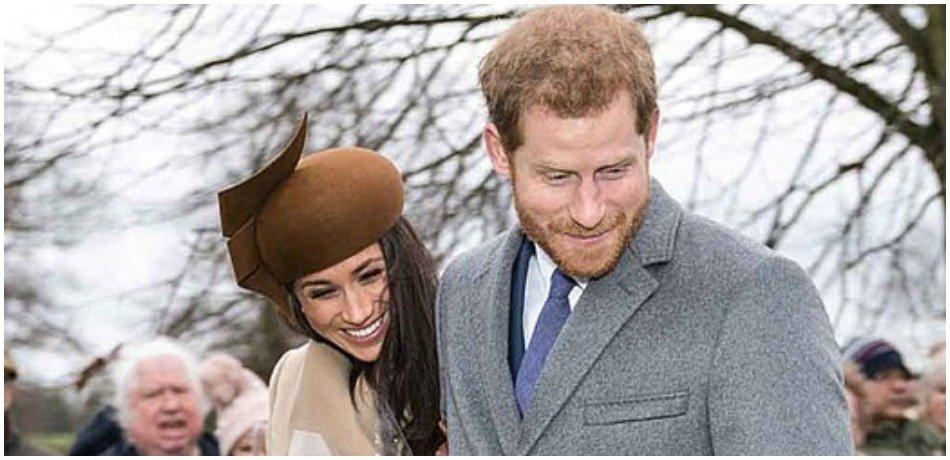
173, 430
903, 401
589, 238
172, 424
371, 332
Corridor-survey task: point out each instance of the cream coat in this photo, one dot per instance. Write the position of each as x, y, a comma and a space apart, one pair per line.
309, 396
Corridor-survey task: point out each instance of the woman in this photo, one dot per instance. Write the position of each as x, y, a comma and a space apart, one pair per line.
325, 241
239, 398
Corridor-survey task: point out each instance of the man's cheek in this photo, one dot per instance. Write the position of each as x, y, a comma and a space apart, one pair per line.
545, 201
195, 415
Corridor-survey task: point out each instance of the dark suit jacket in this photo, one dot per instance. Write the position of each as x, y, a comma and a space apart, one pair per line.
519, 274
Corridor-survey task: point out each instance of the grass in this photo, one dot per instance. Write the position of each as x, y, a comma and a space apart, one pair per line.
57, 442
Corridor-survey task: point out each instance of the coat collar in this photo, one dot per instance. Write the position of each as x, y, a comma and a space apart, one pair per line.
602, 310
656, 237
492, 324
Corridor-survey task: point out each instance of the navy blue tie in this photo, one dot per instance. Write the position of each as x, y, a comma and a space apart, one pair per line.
553, 316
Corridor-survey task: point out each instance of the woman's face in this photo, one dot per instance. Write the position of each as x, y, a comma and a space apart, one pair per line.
348, 303
218, 385
251, 442
935, 411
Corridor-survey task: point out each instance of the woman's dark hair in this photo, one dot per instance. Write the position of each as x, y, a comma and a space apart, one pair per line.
406, 374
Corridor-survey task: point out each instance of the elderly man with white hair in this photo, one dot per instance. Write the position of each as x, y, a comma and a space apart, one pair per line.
160, 403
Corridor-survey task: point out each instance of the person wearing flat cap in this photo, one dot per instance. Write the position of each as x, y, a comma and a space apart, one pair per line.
890, 394
324, 239
13, 442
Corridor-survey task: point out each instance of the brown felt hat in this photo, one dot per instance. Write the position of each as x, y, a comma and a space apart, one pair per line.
295, 217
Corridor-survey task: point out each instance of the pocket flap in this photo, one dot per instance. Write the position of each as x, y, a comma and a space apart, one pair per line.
640, 407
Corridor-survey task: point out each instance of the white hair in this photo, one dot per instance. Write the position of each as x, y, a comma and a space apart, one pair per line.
125, 373
936, 369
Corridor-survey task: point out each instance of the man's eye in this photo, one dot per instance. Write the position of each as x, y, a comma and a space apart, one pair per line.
555, 178
613, 173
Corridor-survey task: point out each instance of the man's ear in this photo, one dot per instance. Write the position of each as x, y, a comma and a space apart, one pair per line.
650, 136
496, 152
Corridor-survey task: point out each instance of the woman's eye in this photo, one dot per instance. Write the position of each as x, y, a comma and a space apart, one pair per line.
371, 275
319, 293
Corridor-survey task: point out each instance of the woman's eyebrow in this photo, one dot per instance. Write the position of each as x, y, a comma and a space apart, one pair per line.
322, 282
365, 264
317, 282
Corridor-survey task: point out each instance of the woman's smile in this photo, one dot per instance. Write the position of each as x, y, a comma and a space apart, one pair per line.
371, 333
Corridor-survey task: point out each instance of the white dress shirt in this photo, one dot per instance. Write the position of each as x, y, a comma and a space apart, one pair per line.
536, 287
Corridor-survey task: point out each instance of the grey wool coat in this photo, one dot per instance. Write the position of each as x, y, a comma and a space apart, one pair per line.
699, 341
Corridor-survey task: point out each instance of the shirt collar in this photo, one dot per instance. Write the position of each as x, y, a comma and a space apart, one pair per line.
547, 266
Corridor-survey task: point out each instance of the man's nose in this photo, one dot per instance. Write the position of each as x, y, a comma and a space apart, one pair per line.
588, 207
900, 385
171, 402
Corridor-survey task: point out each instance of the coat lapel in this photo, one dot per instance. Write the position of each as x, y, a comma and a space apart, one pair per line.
604, 307
492, 320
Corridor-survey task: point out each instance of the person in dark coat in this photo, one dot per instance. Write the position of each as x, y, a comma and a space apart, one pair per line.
99, 435
207, 445
13, 443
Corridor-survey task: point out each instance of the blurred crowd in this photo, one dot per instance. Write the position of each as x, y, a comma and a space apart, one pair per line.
166, 399
894, 411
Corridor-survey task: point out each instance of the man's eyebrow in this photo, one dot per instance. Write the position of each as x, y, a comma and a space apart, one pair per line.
620, 164
543, 167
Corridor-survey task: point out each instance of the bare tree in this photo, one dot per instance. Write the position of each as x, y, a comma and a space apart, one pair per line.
818, 130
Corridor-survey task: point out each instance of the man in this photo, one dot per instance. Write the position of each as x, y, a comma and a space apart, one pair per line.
159, 402
13, 444
98, 435
102, 431
889, 384
890, 394
612, 321
854, 384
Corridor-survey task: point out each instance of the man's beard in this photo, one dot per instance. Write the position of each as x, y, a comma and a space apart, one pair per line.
578, 261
